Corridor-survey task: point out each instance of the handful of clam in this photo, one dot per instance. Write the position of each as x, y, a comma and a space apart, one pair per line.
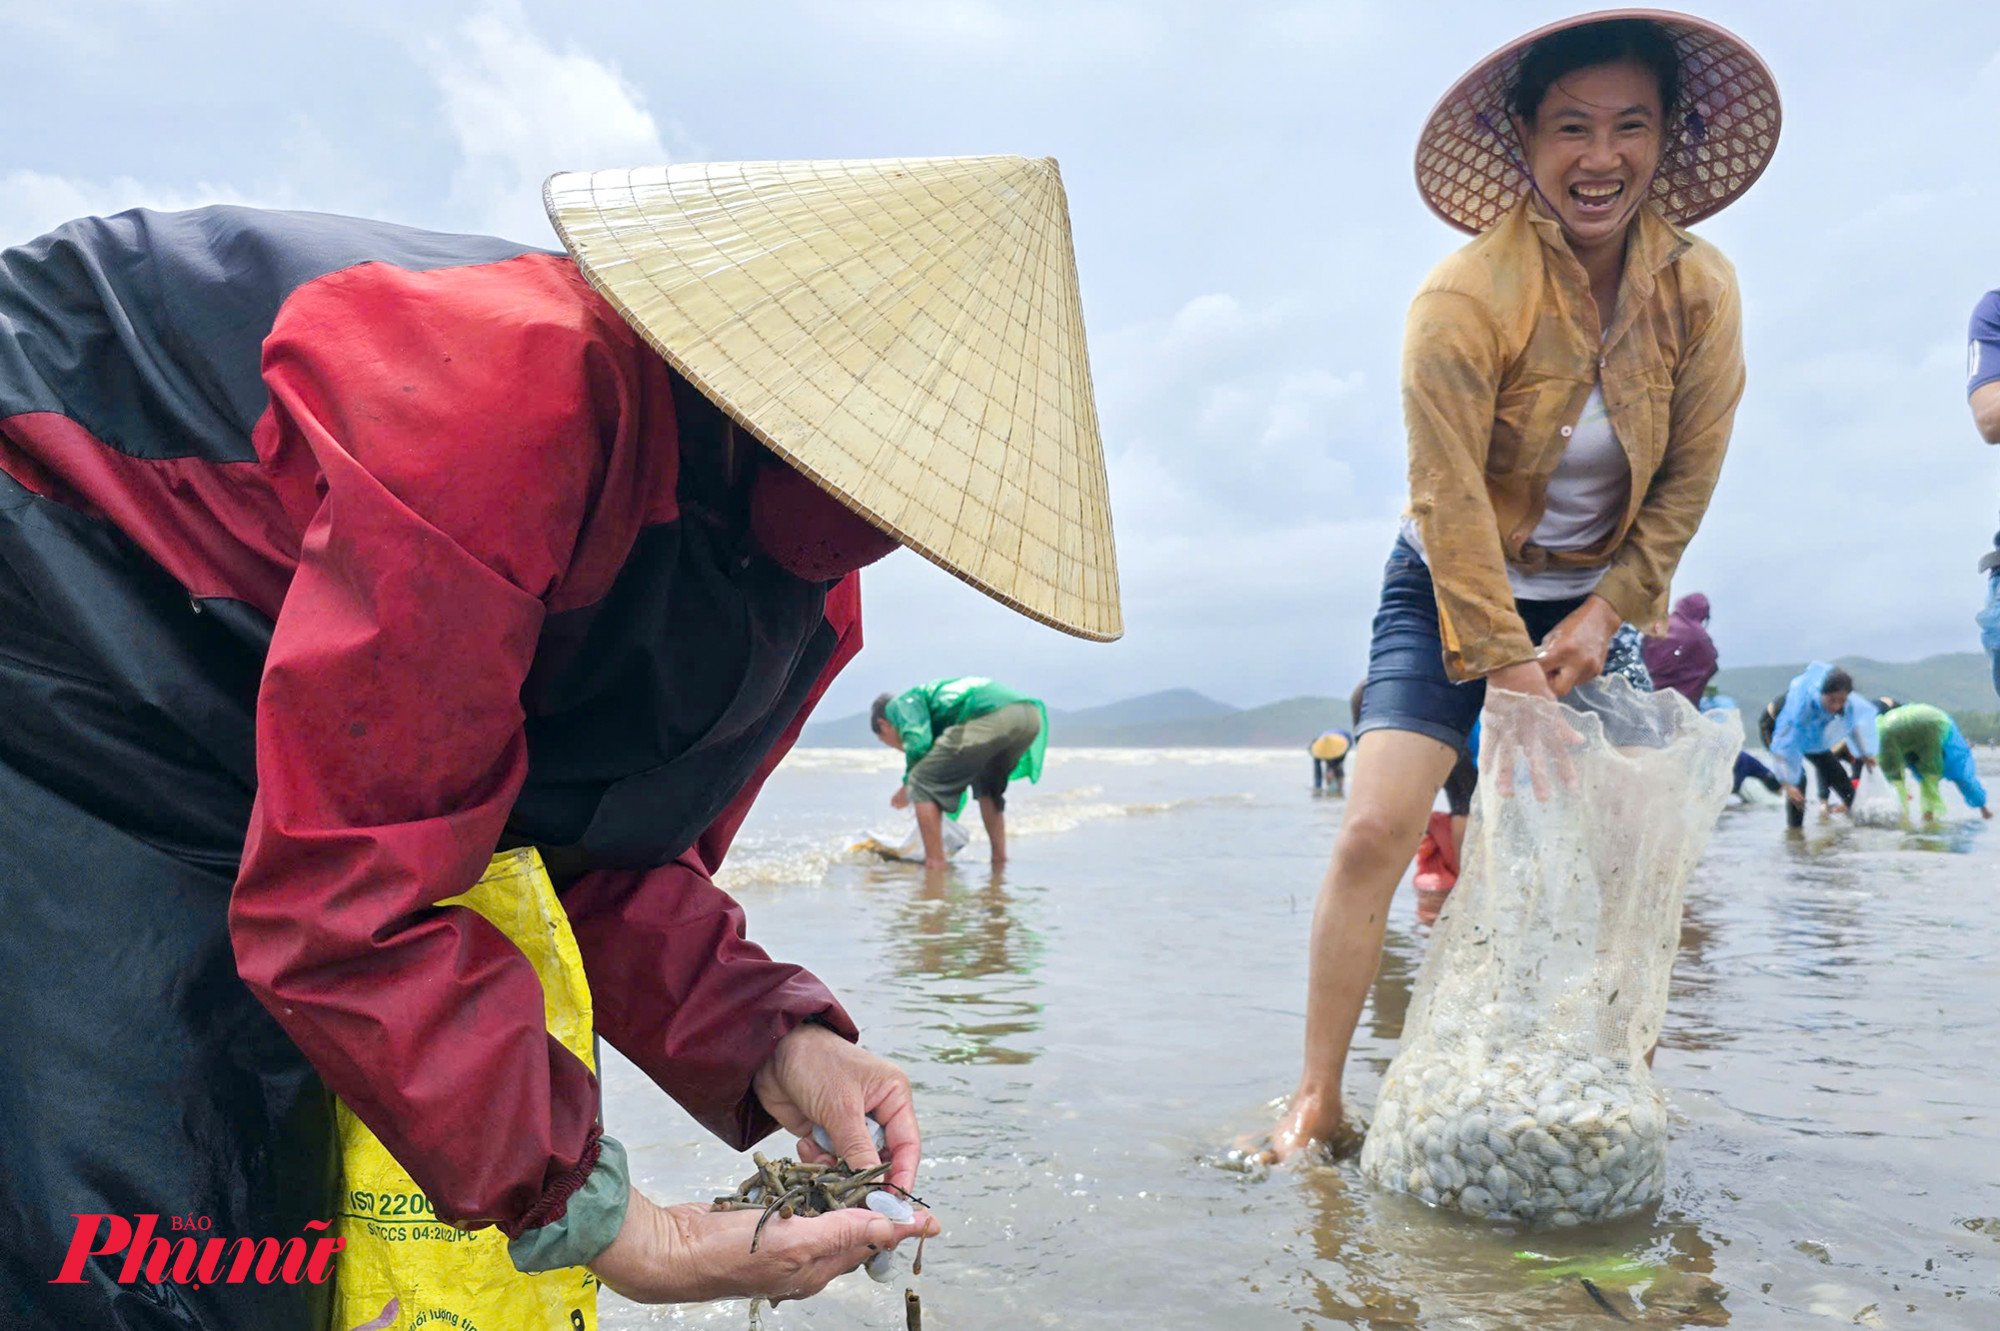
787, 1188
1545, 1138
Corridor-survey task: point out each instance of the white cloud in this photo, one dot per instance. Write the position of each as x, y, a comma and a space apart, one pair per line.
521, 110
943, 22
1062, 31
1298, 411
32, 202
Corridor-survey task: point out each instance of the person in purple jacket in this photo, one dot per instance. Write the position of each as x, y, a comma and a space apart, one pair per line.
1684, 659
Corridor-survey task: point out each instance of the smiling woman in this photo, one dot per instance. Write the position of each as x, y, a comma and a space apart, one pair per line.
1590, 103
1570, 379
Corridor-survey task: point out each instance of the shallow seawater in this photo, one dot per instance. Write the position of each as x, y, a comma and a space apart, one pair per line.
1127, 998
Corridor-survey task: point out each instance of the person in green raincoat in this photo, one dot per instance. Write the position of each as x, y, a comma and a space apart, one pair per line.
1929, 743
955, 734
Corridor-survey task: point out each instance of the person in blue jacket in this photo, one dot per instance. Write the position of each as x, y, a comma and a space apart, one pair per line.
1820, 709
1982, 389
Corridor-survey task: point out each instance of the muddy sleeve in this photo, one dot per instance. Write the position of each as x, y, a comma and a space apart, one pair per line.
1451, 384
455, 469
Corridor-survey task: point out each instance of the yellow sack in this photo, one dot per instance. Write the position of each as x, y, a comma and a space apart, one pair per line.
403, 1268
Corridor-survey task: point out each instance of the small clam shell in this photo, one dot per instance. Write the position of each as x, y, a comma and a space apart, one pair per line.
1475, 1200
1565, 1219
885, 1203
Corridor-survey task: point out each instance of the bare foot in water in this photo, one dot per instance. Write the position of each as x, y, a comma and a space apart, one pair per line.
1312, 1121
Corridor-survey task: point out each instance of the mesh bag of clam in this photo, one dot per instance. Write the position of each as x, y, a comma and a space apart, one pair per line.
1521, 1092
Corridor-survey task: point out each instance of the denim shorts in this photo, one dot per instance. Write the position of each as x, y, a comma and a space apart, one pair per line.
1407, 685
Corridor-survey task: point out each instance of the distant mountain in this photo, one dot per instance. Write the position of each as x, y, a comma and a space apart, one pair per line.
1955, 681
1289, 724
1164, 708
845, 732
1167, 708
1959, 682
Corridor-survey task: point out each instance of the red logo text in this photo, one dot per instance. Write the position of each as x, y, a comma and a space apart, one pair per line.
195, 1261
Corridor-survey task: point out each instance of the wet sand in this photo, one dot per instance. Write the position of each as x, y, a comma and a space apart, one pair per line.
1084, 1029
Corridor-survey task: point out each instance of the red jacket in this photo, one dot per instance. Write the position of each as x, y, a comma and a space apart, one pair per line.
433, 491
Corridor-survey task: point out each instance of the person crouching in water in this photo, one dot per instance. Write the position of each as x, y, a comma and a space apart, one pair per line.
1928, 742
1570, 379
341, 561
959, 733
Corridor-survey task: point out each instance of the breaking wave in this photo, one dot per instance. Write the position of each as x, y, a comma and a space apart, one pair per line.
769, 860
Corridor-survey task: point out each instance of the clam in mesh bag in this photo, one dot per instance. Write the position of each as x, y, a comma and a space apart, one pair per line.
1521, 1091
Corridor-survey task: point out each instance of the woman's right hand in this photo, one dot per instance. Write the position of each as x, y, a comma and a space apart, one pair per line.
691, 1254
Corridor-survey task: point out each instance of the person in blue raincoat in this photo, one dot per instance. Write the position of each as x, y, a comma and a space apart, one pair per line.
1819, 710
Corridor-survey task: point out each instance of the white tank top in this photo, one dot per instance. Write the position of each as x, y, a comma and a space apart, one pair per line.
1585, 499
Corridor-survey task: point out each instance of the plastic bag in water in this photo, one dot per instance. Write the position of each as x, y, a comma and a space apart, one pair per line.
1875, 801
911, 849
1521, 1091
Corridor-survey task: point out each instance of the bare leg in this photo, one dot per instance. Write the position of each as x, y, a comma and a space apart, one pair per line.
1386, 816
930, 826
996, 827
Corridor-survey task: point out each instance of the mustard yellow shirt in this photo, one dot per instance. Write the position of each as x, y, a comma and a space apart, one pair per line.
1500, 354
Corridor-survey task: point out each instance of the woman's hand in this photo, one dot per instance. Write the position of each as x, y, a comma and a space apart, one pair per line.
1537, 738
685, 1254
1573, 653
815, 1077
1523, 677
901, 799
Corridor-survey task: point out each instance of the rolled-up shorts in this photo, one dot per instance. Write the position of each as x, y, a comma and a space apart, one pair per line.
1408, 688
980, 753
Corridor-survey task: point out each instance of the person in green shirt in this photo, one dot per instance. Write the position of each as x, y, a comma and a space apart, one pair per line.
955, 734
1924, 739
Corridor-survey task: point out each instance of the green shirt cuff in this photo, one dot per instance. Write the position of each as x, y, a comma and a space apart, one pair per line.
596, 1213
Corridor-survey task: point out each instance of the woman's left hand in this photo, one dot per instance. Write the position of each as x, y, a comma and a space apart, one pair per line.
1573, 653
815, 1077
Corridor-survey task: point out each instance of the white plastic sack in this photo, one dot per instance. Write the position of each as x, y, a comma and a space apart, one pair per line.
954, 837
1521, 1090
1875, 801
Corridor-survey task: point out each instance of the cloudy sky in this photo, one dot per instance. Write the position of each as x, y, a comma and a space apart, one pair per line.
1248, 238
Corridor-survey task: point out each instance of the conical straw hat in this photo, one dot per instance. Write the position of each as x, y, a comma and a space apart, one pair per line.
907, 333
1470, 161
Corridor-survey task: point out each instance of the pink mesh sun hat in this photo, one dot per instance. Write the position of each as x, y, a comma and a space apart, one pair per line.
1718, 141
